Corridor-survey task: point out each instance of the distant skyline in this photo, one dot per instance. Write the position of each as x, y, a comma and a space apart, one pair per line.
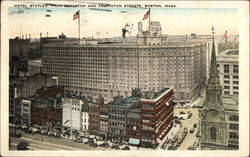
174, 21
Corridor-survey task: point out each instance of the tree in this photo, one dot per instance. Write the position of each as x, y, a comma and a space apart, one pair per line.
23, 145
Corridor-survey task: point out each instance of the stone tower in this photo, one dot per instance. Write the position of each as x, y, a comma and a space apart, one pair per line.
213, 124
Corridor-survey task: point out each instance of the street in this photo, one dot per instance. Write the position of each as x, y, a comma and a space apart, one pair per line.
41, 142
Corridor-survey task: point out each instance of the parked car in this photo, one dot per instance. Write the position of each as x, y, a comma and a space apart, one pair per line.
185, 130
105, 145
126, 148
78, 140
177, 121
191, 130
181, 112
195, 125
197, 134
190, 115
115, 147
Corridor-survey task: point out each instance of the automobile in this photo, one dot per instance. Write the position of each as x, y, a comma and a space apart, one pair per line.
195, 125
181, 112
179, 142
95, 145
175, 146
191, 148
190, 115
115, 147
185, 130
106, 145
197, 134
126, 148
167, 141
28, 131
177, 121
174, 139
78, 140
191, 130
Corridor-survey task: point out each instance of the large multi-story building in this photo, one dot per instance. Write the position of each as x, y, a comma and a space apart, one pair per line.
228, 65
110, 69
157, 110
19, 47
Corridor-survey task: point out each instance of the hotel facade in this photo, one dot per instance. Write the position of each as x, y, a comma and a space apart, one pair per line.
150, 64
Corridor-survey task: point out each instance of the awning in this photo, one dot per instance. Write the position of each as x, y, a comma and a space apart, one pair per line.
134, 141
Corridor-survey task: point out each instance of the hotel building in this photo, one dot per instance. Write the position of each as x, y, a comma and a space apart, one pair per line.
109, 70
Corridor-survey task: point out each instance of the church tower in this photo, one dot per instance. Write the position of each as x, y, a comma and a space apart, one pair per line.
213, 124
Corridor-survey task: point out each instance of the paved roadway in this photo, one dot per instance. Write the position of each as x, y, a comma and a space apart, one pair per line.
190, 138
42, 142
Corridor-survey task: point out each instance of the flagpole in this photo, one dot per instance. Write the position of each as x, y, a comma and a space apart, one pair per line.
79, 25
149, 17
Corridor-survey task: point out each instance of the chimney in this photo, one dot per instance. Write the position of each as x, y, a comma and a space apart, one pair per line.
22, 36
25, 36
41, 35
30, 36
47, 34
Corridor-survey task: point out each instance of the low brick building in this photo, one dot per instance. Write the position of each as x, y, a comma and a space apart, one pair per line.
47, 107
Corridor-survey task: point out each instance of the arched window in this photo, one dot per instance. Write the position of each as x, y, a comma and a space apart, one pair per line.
213, 133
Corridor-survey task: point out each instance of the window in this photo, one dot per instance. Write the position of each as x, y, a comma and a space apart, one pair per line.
226, 68
226, 76
235, 69
233, 135
234, 126
213, 133
226, 82
236, 77
236, 82
147, 106
234, 118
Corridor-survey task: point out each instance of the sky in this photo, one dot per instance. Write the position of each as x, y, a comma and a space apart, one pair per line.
174, 21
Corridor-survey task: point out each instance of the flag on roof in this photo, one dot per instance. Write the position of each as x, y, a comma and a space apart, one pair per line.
146, 15
76, 15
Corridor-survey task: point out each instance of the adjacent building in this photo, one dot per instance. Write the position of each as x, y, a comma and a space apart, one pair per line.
26, 87
94, 118
72, 112
47, 107
26, 112
18, 47
134, 125
228, 65
108, 70
232, 113
157, 109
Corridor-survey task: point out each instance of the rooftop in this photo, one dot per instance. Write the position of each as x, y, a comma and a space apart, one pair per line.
129, 45
155, 95
50, 92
